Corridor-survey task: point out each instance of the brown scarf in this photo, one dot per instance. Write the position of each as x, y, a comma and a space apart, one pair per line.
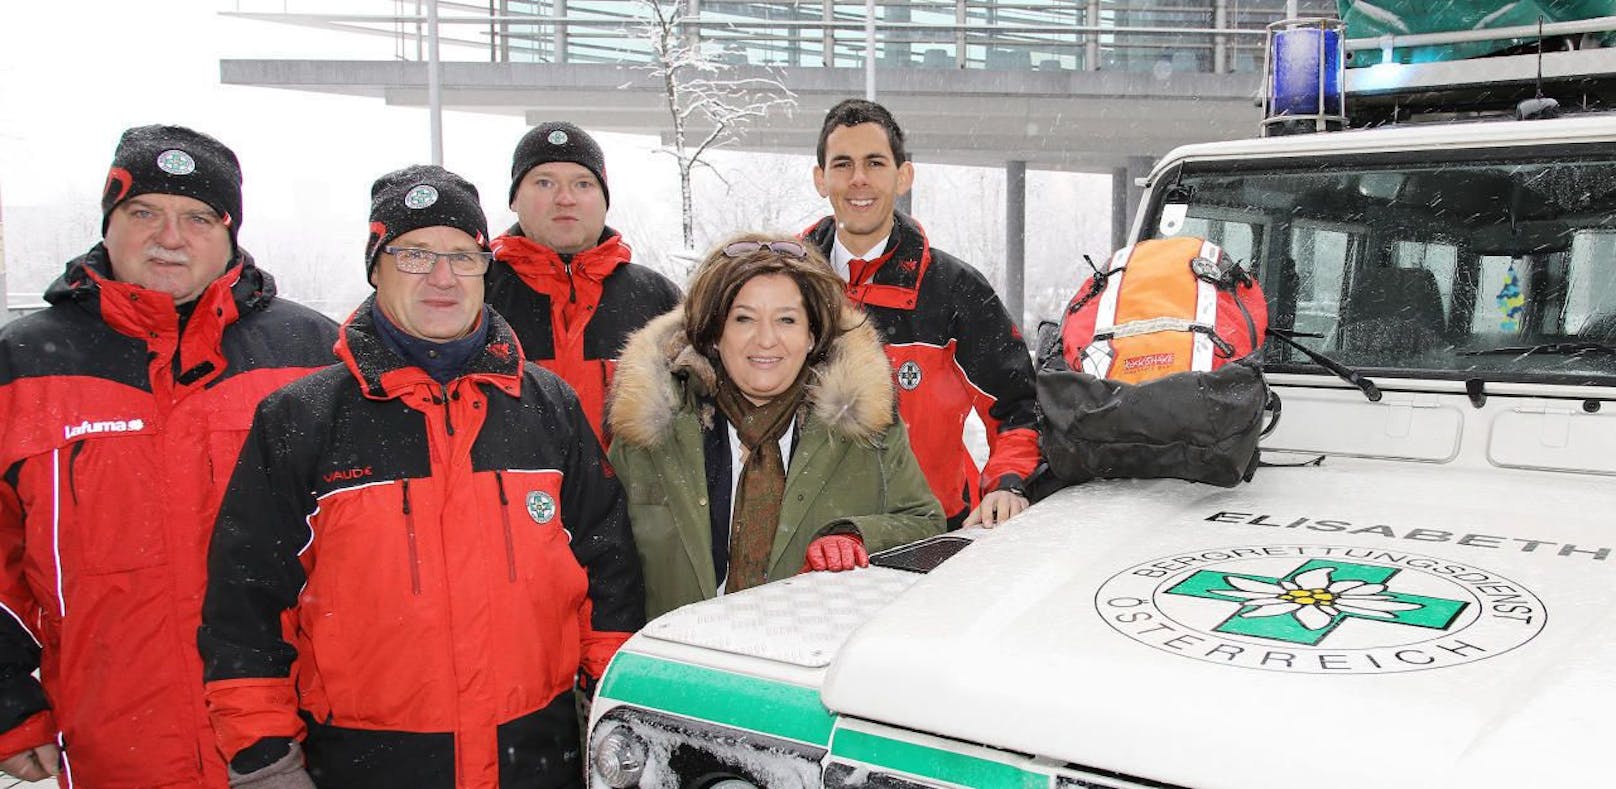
762, 485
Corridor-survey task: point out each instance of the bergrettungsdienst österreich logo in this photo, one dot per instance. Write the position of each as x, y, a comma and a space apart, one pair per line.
1321, 609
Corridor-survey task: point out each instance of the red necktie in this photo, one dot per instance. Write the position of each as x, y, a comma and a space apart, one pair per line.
859, 270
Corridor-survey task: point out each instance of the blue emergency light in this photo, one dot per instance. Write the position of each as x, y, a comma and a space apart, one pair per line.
1303, 76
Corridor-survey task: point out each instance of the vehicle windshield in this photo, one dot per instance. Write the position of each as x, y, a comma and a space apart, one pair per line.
1414, 267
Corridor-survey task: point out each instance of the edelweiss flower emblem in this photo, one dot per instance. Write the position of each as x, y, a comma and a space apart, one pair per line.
1313, 598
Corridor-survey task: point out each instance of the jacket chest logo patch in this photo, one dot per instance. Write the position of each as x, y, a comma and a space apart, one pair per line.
347, 474
540, 506
70, 432
908, 376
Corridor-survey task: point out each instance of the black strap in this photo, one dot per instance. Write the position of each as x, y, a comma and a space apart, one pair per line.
1316, 461
1273, 405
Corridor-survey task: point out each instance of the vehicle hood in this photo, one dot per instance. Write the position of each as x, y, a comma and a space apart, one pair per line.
1100, 629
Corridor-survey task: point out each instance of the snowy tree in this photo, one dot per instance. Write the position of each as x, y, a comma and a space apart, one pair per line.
710, 101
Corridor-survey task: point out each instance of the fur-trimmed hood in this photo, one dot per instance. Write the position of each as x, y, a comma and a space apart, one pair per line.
850, 391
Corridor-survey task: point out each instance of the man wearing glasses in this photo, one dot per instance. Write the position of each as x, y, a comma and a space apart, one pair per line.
564, 279
427, 531
953, 346
122, 408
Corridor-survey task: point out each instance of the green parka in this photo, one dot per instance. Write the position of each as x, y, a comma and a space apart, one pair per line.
852, 470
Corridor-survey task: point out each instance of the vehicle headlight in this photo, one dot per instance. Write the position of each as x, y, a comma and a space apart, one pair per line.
632, 747
619, 758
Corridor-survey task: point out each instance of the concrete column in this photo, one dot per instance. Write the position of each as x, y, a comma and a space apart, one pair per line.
960, 16
558, 8
1138, 168
828, 37
1125, 197
434, 83
693, 33
1119, 207
500, 34
1091, 50
1220, 42
1015, 239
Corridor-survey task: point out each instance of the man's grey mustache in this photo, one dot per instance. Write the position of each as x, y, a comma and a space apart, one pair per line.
168, 255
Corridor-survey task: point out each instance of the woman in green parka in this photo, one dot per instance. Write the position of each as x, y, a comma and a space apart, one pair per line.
754, 432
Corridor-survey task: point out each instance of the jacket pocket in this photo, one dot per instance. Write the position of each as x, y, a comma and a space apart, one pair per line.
110, 507
226, 434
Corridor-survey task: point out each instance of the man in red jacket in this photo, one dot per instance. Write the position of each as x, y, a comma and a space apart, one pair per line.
952, 344
422, 548
122, 408
563, 279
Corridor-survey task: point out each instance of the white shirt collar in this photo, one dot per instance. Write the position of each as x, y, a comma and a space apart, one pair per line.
840, 257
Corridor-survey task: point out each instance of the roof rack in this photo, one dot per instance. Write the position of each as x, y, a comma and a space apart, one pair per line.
1572, 69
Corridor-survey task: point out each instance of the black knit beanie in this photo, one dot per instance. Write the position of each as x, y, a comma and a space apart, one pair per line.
558, 141
422, 195
178, 161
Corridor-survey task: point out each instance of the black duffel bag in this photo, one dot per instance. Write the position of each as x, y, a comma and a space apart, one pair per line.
1199, 426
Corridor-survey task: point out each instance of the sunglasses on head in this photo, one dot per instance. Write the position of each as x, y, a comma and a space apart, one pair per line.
790, 249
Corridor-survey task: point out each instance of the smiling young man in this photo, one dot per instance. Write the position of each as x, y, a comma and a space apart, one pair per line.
565, 280
422, 549
952, 344
122, 408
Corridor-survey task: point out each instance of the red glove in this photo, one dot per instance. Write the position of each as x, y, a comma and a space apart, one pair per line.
836, 552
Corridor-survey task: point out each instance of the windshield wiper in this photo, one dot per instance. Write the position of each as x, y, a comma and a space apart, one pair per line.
1548, 348
1345, 373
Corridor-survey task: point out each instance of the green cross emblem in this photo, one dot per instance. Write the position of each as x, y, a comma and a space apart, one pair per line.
1282, 616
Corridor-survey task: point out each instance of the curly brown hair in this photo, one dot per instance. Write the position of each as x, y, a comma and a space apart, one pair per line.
720, 277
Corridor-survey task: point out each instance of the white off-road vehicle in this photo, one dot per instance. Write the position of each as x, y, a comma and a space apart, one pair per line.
1417, 590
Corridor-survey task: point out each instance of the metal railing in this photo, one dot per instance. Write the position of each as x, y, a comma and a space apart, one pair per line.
1211, 36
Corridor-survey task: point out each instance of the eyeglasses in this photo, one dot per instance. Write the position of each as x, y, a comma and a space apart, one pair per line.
421, 261
741, 249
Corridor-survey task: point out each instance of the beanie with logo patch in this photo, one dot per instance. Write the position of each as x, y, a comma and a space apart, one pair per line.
558, 141
177, 161
422, 195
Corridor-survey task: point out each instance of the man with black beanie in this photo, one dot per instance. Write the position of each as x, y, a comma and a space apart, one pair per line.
427, 531
564, 279
122, 408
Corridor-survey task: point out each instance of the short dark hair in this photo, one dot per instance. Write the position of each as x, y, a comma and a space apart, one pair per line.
719, 278
852, 112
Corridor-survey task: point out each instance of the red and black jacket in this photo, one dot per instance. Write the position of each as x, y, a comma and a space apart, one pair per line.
953, 348
573, 317
118, 431
411, 575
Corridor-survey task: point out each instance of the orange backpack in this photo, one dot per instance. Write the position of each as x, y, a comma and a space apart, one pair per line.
1152, 371
1164, 306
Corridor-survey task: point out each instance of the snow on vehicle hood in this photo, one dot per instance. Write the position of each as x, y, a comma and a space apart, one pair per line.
1463, 633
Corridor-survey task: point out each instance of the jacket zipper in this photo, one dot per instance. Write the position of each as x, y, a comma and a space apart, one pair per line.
448, 416
409, 531
572, 287
505, 519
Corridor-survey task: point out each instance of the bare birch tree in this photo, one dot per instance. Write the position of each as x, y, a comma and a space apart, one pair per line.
710, 102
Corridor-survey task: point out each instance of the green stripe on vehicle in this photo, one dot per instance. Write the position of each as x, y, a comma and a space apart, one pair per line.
773, 708
926, 762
